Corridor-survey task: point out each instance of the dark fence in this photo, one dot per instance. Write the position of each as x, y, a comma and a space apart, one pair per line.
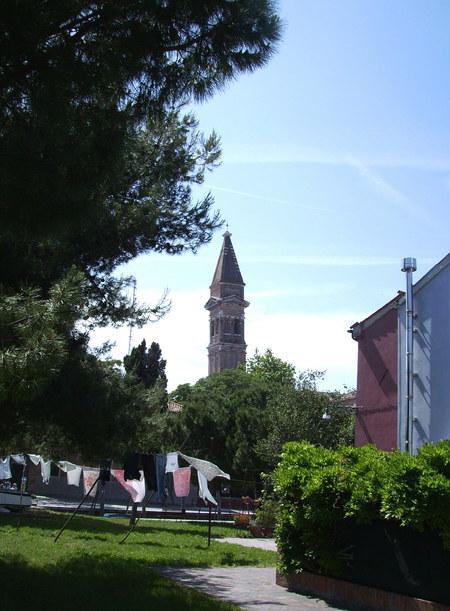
386, 556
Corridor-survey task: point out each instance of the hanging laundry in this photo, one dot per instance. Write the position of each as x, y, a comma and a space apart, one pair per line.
148, 466
139, 486
119, 476
89, 477
19, 459
73, 476
131, 466
66, 466
169, 489
160, 467
182, 481
73, 472
209, 469
35, 459
45, 470
136, 488
5, 469
172, 462
203, 490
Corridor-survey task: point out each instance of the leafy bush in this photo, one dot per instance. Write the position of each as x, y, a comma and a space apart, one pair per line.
265, 514
325, 494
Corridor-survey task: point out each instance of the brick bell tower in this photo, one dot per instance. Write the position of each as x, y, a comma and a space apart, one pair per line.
226, 312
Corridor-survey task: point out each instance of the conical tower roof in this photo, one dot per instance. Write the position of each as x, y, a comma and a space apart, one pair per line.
227, 268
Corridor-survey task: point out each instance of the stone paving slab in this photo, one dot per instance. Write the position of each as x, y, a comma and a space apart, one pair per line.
251, 588
263, 543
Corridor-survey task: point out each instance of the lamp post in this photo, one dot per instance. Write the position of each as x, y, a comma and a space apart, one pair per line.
409, 266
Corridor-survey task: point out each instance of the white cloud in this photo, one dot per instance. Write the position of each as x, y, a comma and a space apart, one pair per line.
269, 199
302, 260
380, 185
391, 194
322, 157
308, 341
305, 291
327, 261
182, 335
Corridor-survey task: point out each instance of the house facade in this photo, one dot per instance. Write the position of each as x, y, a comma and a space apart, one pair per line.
430, 401
382, 391
377, 382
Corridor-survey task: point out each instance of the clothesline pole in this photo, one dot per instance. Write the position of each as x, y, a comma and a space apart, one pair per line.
134, 524
102, 499
133, 513
209, 523
21, 495
76, 510
99, 497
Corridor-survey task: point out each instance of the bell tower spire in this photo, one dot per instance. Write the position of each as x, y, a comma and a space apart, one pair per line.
226, 312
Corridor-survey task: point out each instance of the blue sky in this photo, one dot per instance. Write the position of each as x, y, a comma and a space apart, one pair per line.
336, 165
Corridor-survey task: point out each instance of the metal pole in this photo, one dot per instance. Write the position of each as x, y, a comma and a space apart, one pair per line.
102, 498
209, 524
409, 266
131, 324
133, 514
134, 524
22, 484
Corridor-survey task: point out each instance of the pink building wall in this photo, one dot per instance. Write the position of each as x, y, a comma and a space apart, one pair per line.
376, 394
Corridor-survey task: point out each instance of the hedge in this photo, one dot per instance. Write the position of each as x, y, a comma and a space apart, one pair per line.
323, 494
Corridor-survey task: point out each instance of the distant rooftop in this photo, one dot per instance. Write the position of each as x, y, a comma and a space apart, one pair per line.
173, 406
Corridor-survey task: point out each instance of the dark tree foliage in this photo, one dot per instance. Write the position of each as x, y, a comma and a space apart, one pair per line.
151, 210
146, 365
223, 416
77, 79
97, 164
87, 410
241, 418
96, 161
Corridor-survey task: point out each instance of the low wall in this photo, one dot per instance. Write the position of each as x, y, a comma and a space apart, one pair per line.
384, 559
353, 596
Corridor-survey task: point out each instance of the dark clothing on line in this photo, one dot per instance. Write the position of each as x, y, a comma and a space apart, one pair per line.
148, 466
160, 465
131, 467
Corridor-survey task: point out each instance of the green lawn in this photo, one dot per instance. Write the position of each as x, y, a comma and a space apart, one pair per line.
87, 569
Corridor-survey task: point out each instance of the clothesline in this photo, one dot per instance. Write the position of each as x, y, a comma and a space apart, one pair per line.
141, 472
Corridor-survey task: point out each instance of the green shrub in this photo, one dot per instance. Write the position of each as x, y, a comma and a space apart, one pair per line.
325, 494
265, 514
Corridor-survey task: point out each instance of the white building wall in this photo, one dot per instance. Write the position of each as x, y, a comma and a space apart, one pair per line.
431, 360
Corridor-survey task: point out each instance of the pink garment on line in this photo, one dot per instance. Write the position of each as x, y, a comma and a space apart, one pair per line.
89, 477
182, 481
136, 488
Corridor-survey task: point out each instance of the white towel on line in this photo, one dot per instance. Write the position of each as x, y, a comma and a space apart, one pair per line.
203, 490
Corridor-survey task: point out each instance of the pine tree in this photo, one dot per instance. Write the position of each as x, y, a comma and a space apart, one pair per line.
146, 365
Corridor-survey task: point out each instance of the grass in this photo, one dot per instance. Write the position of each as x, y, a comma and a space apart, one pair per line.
87, 569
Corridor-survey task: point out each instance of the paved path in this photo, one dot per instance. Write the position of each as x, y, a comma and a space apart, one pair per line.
268, 544
250, 588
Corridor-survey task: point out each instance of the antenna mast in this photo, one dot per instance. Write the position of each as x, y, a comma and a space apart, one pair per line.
133, 303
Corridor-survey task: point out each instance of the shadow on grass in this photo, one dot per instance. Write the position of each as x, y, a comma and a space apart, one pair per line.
54, 521
93, 584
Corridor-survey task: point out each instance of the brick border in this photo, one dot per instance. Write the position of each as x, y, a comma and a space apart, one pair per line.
353, 595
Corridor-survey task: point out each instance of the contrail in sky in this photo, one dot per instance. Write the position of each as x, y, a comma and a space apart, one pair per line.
267, 199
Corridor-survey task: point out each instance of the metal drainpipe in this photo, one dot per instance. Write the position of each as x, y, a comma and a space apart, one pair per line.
409, 266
